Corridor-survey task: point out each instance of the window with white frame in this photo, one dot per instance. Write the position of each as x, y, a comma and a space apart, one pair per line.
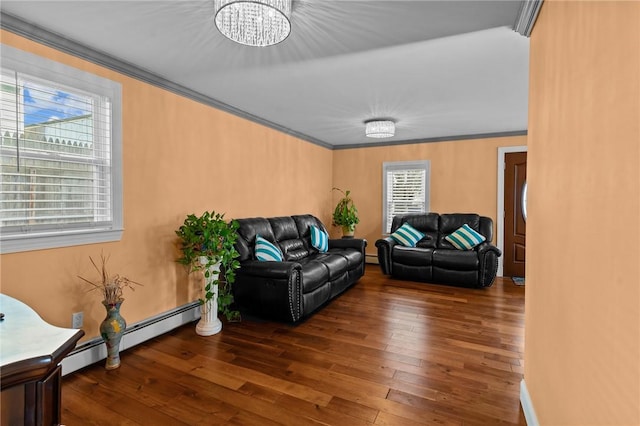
405, 189
60, 172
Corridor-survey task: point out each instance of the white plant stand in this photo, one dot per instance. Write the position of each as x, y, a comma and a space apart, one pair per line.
209, 323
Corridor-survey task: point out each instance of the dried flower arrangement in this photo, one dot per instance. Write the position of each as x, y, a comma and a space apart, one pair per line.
110, 285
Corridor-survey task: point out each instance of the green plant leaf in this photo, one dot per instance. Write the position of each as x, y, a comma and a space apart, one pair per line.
345, 212
211, 236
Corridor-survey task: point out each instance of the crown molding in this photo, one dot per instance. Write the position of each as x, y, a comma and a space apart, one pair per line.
527, 16
48, 38
431, 140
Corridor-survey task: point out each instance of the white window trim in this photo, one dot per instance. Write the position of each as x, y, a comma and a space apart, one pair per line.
403, 165
37, 66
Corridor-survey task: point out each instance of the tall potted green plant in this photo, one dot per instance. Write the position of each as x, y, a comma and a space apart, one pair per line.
207, 244
345, 214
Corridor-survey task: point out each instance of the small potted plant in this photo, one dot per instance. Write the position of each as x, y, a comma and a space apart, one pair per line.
346, 214
207, 245
114, 325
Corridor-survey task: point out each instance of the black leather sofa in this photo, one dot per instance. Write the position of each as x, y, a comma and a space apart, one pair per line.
436, 260
305, 280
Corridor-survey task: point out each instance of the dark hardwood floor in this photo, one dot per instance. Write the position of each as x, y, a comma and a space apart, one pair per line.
386, 352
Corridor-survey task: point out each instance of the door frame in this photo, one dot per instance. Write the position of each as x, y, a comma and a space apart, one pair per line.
502, 151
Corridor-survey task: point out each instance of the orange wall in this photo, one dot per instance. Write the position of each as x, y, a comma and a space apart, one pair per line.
472, 188
180, 157
582, 346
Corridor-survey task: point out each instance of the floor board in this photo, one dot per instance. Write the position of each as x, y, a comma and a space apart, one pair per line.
386, 352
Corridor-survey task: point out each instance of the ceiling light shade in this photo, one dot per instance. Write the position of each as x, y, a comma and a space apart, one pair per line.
380, 129
255, 22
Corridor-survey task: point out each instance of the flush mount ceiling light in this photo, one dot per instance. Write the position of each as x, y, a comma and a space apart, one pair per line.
380, 129
253, 23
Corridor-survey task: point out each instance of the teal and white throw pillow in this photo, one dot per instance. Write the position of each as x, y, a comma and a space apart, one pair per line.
465, 238
319, 239
407, 235
267, 251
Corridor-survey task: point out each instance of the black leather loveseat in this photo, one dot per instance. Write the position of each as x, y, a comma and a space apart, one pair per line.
434, 259
291, 289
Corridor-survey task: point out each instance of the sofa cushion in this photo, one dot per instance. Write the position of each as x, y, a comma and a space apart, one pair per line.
427, 223
465, 238
414, 273
266, 251
407, 235
319, 239
316, 298
247, 231
353, 256
452, 221
314, 274
429, 241
413, 256
306, 221
455, 259
286, 234
284, 228
293, 250
335, 263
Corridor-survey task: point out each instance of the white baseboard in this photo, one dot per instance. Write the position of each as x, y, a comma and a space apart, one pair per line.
527, 406
95, 350
372, 259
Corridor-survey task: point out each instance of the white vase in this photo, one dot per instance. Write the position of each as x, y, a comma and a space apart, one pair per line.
209, 323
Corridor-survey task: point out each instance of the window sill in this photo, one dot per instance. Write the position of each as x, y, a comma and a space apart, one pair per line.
21, 243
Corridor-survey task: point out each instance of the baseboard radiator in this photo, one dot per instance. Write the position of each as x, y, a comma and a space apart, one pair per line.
372, 259
94, 350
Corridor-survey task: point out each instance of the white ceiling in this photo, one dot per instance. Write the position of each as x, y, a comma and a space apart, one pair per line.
440, 69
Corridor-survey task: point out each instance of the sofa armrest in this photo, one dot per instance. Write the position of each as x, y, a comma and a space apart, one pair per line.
483, 248
268, 269
270, 289
354, 243
385, 246
488, 255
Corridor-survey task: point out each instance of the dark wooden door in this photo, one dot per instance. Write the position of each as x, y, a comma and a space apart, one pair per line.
515, 226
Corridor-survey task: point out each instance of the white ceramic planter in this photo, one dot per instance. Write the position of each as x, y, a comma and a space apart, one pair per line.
209, 323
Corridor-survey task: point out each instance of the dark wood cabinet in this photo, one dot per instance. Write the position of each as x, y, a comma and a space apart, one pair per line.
30, 354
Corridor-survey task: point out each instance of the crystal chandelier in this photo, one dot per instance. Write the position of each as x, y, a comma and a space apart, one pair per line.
380, 129
254, 22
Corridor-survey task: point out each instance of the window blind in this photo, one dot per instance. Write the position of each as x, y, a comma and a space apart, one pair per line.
56, 156
405, 190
